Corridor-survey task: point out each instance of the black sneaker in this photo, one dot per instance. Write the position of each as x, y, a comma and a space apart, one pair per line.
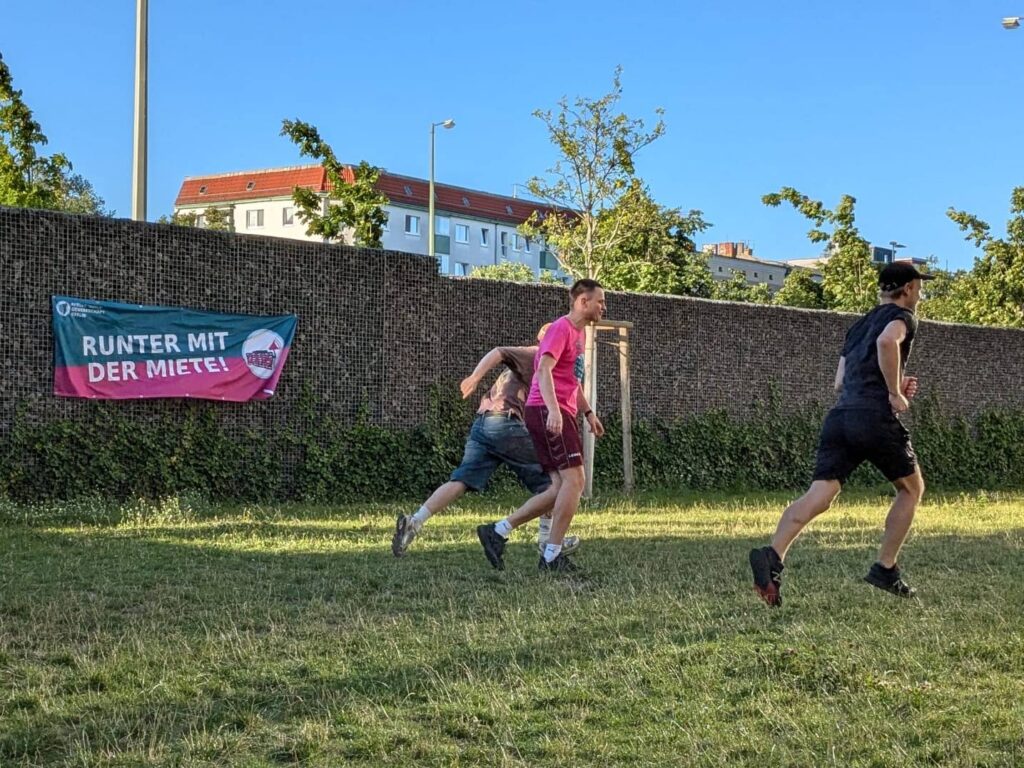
493, 544
890, 580
561, 564
767, 568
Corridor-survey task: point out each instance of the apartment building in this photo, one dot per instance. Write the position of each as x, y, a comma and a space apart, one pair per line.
472, 228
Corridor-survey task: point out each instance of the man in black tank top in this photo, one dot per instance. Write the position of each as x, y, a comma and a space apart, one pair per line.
863, 426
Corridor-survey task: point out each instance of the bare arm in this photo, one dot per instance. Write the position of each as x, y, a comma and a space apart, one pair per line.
888, 346
840, 372
487, 363
595, 423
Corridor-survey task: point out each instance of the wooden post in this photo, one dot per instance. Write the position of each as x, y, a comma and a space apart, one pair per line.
627, 412
590, 390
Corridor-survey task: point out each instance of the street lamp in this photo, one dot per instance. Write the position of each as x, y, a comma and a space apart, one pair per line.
1011, 22
449, 123
894, 245
141, 76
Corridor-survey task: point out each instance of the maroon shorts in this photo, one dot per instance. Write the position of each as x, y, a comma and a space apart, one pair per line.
554, 452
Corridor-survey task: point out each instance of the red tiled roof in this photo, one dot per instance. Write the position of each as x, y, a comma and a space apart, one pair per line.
227, 187
401, 190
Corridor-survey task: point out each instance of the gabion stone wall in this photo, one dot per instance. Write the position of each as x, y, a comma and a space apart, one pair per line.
378, 328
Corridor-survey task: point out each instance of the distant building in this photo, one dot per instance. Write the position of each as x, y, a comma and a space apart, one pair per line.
726, 258
882, 255
879, 255
472, 228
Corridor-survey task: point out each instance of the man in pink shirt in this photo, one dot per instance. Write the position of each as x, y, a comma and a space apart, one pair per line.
551, 409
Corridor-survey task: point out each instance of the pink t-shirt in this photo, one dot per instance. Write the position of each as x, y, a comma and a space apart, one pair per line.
564, 342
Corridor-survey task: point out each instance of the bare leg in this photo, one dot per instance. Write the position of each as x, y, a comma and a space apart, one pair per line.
566, 503
909, 491
537, 504
445, 495
818, 498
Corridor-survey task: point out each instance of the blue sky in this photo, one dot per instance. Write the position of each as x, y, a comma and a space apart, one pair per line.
910, 106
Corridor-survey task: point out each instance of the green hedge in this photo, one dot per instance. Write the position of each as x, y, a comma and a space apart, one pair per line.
111, 455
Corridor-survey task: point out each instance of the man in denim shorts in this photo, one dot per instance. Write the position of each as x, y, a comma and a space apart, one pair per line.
498, 436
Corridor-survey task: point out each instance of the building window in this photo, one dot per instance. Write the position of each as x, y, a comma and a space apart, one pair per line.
755, 274
503, 239
442, 226
444, 265
462, 270
202, 190
254, 218
517, 242
719, 269
287, 216
461, 233
250, 186
484, 235
412, 225
771, 277
526, 244
201, 220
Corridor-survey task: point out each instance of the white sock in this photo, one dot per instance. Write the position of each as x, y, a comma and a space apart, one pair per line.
421, 516
544, 529
503, 528
551, 552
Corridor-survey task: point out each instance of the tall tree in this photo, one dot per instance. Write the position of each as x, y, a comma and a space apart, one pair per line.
656, 252
800, 289
849, 277
948, 296
595, 169
993, 293
214, 219
514, 271
29, 179
736, 288
355, 202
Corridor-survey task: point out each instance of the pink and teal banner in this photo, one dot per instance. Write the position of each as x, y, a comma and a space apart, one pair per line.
112, 351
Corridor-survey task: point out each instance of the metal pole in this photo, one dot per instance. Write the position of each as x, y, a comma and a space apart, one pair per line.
141, 106
430, 203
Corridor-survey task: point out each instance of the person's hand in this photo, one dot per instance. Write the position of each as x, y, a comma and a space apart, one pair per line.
898, 402
595, 425
554, 424
909, 387
468, 386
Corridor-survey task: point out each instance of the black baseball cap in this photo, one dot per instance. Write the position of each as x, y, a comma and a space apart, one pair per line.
899, 273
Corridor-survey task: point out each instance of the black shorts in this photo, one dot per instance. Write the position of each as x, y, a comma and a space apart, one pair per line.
851, 436
554, 452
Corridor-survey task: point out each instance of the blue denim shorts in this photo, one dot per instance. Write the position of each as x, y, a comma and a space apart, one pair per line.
495, 440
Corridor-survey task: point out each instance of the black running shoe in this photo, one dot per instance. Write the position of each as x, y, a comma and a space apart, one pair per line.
493, 544
890, 580
767, 568
561, 564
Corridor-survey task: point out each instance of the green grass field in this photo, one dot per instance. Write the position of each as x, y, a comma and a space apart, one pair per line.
183, 635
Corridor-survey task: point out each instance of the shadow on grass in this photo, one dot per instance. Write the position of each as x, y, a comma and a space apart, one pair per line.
111, 635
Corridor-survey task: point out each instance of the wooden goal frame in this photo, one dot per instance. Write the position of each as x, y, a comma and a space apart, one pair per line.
622, 330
